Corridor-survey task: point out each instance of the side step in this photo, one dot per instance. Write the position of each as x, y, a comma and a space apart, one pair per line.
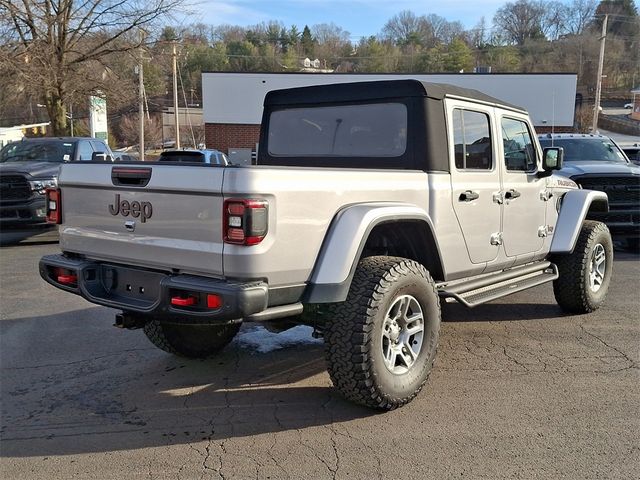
491, 287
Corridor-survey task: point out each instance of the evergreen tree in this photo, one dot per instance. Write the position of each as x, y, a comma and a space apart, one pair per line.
308, 42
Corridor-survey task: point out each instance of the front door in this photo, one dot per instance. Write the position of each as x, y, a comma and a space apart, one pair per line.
524, 214
475, 177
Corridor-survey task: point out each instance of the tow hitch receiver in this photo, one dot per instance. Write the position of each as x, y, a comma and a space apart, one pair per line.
130, 322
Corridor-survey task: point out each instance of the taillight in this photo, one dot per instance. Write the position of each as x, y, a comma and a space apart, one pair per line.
64, 276
184, 301
246, 221
198, 301
53, 198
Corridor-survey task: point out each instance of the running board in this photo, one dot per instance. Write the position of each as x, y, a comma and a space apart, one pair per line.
485, 289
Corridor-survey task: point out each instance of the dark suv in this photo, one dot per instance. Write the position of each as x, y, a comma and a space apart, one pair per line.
595, 162
31, 165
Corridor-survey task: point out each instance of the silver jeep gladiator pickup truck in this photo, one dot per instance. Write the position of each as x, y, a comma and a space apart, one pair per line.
369, 203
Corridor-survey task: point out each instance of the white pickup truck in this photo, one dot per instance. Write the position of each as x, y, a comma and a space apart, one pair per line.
369, 203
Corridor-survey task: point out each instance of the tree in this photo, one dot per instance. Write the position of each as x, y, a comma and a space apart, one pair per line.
374, 56
478, 35
623, 17
332, 42
408, 30
242, 56
502, 59
443, 31
307, 42
129, 132
521, 20
577, 16
459, 57
405, 28
58, 49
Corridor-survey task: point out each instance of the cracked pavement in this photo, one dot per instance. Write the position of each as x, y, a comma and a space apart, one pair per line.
519, 390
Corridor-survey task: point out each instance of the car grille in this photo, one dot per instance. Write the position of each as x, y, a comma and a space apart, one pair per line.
620, 190
15, 214
14, 187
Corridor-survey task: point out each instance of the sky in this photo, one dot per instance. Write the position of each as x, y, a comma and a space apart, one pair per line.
359, 18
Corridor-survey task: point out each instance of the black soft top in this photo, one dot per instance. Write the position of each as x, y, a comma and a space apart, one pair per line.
377, 90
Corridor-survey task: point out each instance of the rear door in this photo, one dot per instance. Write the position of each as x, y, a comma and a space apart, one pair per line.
475, 178
164, 216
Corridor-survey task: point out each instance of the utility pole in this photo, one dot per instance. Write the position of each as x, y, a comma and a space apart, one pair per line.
175, 95
141, 99
596, 108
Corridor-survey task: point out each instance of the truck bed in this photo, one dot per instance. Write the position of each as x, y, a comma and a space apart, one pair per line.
184, 232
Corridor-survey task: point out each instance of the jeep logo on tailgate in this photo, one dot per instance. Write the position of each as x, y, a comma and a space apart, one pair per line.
136, 209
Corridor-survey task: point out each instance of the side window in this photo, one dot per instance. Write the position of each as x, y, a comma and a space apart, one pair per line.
472, 140
99, 147
519, 150
84, 151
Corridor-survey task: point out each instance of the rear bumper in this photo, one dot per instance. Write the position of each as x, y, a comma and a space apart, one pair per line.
149, 292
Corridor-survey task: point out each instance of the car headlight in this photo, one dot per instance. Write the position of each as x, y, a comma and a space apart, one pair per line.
41, 184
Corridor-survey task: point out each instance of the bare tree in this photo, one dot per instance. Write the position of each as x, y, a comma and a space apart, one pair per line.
58, 48
130, 134
407, 29
577, 16
479, 34
520, 20
404, 28
332, 42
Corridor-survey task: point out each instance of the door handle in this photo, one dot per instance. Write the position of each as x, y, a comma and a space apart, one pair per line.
468, 196
511, 194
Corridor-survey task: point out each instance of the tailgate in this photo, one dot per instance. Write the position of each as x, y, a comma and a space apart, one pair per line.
162, 216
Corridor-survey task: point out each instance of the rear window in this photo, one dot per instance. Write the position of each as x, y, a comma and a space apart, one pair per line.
371, 130
580, 149
186, 157
37, 151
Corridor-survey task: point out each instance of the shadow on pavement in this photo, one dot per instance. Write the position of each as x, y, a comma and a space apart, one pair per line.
497, 312
132, 395
32, 237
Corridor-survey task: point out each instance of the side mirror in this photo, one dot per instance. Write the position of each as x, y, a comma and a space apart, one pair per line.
98, 157
101, 157
552, 158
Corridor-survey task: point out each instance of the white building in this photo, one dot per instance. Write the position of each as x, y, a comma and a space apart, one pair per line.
15, 134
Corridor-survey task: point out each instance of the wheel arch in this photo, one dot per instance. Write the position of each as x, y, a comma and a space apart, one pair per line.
364, 230
575, 206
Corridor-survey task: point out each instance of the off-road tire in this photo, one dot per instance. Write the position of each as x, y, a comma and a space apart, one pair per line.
353, 333
571, 289
192, 341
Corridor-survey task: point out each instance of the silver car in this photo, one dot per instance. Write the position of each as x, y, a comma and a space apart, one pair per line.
202, 156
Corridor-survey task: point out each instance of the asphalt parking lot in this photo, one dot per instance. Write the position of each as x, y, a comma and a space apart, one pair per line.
520, 390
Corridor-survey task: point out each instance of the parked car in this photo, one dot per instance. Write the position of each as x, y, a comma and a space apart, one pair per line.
120, 156
30, 166
204, 156
369, 202
628, 105
596, 162
632, 152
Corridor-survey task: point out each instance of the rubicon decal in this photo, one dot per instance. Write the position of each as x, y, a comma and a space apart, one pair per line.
136, 209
